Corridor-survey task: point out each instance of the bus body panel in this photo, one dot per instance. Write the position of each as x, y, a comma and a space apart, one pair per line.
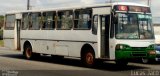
54, 42
131, 43
112, 49
102, 10
136, 43
8, 36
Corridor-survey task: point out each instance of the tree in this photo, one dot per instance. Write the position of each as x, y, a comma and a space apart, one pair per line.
1, 21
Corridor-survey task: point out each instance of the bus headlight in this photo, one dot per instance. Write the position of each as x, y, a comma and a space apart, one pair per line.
122, 46
152, 49
152, 52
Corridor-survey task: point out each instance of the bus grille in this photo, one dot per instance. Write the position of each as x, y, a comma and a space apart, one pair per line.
139, 54
138, 48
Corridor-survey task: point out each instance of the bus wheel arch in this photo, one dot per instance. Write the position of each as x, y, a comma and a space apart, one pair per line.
88, 55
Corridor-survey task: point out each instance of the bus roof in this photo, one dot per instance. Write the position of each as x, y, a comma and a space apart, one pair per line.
129, 3
78, 7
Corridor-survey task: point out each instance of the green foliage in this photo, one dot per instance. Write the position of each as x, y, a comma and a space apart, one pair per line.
1, 43
1, 21
1, 17
1, 32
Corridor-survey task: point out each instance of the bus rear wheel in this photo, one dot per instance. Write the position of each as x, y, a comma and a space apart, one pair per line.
28, 52
88, 58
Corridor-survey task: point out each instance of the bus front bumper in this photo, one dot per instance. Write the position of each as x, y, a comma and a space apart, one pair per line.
120, 55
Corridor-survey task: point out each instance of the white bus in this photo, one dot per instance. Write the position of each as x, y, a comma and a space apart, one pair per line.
111, 31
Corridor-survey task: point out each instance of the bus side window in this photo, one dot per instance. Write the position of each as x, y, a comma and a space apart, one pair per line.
95, 24
34, 23
25, 21
82, 19
10, 21
48, 20
65, 20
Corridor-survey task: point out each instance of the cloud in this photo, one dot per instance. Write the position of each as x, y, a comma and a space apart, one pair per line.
9, 5
155, 8
88, 1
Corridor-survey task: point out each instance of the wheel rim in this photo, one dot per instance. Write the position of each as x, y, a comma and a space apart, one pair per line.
28, 52
89, 58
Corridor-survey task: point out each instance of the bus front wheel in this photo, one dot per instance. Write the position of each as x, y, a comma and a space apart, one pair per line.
88, 58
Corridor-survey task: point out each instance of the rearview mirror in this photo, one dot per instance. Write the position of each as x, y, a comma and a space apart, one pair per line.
115, 20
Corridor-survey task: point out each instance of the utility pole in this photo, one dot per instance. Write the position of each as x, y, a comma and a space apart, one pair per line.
28, 4
149, 2
110, 1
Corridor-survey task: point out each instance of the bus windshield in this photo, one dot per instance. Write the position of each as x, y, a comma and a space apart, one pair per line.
134, 26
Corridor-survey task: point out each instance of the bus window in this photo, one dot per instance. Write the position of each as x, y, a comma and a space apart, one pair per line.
48, 20
95, 24
35, 21
65, 20
134, 26
10, 21
82, 19
25, 21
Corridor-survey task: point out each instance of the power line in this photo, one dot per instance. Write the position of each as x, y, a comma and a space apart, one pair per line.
149, 2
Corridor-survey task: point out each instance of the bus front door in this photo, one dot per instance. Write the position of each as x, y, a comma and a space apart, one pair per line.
105, 22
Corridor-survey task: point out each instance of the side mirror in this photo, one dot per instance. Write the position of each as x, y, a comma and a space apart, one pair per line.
115, 20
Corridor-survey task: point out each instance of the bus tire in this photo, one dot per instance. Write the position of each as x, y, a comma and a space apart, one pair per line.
121, 62
28, 52
88, 58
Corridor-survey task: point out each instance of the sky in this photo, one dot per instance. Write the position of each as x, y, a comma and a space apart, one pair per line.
9, 5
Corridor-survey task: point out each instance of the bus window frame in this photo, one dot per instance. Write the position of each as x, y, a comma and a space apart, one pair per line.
112, 25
